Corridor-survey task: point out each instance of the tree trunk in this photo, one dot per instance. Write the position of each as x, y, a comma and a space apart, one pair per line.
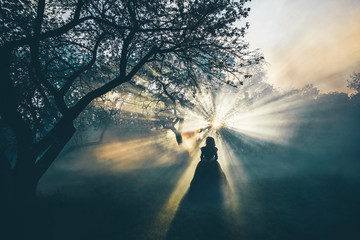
179, 139
18, 195
178, 136
18, 187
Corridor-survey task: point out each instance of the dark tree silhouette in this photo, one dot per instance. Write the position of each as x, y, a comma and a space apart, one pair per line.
56, 57
354, 82
169, 90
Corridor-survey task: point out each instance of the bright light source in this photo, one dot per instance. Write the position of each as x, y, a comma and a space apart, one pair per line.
216, 124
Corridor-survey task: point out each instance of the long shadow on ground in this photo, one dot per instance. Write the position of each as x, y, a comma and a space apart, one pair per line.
289, 194
202, 213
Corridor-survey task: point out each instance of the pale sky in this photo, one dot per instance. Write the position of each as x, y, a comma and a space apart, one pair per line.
307, 41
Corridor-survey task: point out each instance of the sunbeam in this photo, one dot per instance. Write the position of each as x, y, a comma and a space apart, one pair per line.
234, 117
133, 154
168, 211
173, 119
272, 118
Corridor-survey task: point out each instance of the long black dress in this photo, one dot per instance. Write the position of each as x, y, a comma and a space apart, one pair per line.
201, 212
209, 180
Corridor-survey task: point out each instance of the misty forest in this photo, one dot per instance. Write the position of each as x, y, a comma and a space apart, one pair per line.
156, 120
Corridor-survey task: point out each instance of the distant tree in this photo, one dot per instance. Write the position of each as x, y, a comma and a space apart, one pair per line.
168, 88
56, 57
354, 83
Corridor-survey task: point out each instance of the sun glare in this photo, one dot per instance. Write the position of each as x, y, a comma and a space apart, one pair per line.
243, 114
216, 124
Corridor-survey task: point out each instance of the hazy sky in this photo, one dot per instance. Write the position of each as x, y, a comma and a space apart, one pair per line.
307, 41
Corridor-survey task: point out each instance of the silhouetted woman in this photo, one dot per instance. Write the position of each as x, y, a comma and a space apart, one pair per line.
209, 180
200, 214
209, 152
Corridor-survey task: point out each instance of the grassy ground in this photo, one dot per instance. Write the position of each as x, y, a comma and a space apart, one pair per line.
287, 194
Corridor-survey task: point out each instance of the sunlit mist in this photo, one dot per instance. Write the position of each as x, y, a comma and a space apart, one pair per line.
235, 117
273, 118
264, 139
216, 124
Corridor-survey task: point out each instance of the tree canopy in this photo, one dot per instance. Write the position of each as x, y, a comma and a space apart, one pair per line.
58, 56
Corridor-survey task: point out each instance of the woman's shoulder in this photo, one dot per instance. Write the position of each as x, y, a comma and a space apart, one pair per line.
205, 148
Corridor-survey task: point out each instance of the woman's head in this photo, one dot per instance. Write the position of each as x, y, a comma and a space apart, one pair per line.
210, 142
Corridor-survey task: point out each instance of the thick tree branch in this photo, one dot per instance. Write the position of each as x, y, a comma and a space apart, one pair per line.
124, 53
83, 102
78, 72
167, 93
36, 65
54, 150
39, 17
9, 103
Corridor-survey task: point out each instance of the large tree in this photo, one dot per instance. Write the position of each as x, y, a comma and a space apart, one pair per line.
56, 57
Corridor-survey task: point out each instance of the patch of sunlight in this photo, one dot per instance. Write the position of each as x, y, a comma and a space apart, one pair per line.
164, 218
136, 153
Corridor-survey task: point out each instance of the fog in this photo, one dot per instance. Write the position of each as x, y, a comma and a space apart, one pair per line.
288, 167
